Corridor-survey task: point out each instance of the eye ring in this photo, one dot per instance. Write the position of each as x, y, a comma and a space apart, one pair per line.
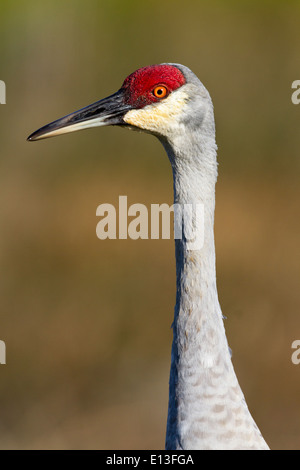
160, 91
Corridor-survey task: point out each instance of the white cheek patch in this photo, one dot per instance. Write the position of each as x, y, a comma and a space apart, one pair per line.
158, 116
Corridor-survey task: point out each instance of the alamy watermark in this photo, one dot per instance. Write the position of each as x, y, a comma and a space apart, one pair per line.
2, 92
296, 354
296, 94
188, 222
2, 352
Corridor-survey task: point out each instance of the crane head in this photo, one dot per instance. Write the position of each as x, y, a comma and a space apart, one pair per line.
155, 99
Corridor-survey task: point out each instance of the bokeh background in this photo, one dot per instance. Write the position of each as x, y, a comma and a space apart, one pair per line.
87, 322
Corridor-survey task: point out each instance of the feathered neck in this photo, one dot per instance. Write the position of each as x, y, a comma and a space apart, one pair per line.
207, 409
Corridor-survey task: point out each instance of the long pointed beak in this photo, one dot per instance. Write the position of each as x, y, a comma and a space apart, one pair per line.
109, 111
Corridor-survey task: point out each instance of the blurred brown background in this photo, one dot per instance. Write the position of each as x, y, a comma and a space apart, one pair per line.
87, 322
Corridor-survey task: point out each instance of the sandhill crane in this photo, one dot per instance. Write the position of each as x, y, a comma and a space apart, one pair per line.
207, 409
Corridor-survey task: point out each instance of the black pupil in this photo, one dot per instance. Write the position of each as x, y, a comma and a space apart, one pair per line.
159, 91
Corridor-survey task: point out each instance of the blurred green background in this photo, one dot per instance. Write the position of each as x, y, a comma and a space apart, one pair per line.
87, 322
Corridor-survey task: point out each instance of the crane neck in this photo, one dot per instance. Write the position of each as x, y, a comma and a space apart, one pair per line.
202, 378
197, 304
194, 164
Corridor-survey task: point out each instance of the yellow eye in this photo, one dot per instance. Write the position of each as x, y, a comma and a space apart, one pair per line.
160, 91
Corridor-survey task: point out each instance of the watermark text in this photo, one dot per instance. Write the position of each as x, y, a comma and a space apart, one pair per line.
134, 221
2, 92
296, 94
296, 354
2, 352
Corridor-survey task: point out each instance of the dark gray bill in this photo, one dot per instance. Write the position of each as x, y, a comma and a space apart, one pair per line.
108, 111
